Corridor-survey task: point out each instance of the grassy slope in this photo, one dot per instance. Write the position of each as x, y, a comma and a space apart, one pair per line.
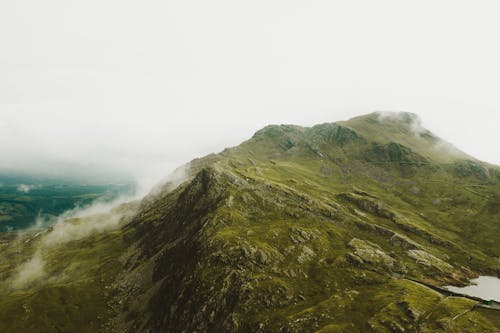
72, 290
275, 249
296, 230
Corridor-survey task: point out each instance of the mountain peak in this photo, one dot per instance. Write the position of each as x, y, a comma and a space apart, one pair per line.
402, 121
326, 228
392, 116
403, 116
391, 129
405, 128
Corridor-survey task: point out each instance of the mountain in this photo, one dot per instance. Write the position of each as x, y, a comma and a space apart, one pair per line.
339, 227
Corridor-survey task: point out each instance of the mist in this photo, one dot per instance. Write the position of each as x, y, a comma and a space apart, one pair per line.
47, 234
125, 90
99, 99
75, 224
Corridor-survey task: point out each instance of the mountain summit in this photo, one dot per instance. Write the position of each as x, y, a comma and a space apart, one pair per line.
339, 227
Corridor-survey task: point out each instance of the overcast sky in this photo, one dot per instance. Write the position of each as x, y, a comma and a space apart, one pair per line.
142, 86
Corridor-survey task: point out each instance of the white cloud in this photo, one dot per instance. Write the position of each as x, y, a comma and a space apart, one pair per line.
72, 225
29, 271
148, 86
25, 188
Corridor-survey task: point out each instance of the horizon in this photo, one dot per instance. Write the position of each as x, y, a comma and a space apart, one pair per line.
146, 88
97, 172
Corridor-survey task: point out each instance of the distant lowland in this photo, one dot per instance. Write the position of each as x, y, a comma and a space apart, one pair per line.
36, 201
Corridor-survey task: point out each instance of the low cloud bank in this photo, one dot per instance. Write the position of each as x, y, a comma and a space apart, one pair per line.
72, 225
29, 271
26, 188
82, 222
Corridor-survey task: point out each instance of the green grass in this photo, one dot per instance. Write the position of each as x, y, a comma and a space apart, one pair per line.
257, 240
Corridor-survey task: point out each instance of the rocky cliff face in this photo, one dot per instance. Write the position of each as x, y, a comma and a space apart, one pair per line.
321, 229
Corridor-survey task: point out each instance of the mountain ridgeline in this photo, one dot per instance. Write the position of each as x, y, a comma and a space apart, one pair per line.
338, 227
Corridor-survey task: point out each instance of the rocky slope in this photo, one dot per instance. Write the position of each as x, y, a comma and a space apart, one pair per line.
321, 229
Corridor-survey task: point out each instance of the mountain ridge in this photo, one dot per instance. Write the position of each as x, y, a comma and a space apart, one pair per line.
295, 230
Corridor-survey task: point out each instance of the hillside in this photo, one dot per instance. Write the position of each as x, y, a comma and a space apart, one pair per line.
299, 229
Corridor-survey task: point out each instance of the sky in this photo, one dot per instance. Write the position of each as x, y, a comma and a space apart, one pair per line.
141, 87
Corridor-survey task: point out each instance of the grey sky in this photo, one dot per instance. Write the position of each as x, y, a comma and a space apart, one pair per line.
143, 86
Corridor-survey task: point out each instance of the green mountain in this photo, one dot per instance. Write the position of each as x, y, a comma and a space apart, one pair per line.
339, 227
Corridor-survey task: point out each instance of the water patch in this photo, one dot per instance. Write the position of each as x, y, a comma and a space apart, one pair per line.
485, 287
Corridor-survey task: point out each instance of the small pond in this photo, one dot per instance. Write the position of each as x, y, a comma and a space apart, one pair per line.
485, 287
